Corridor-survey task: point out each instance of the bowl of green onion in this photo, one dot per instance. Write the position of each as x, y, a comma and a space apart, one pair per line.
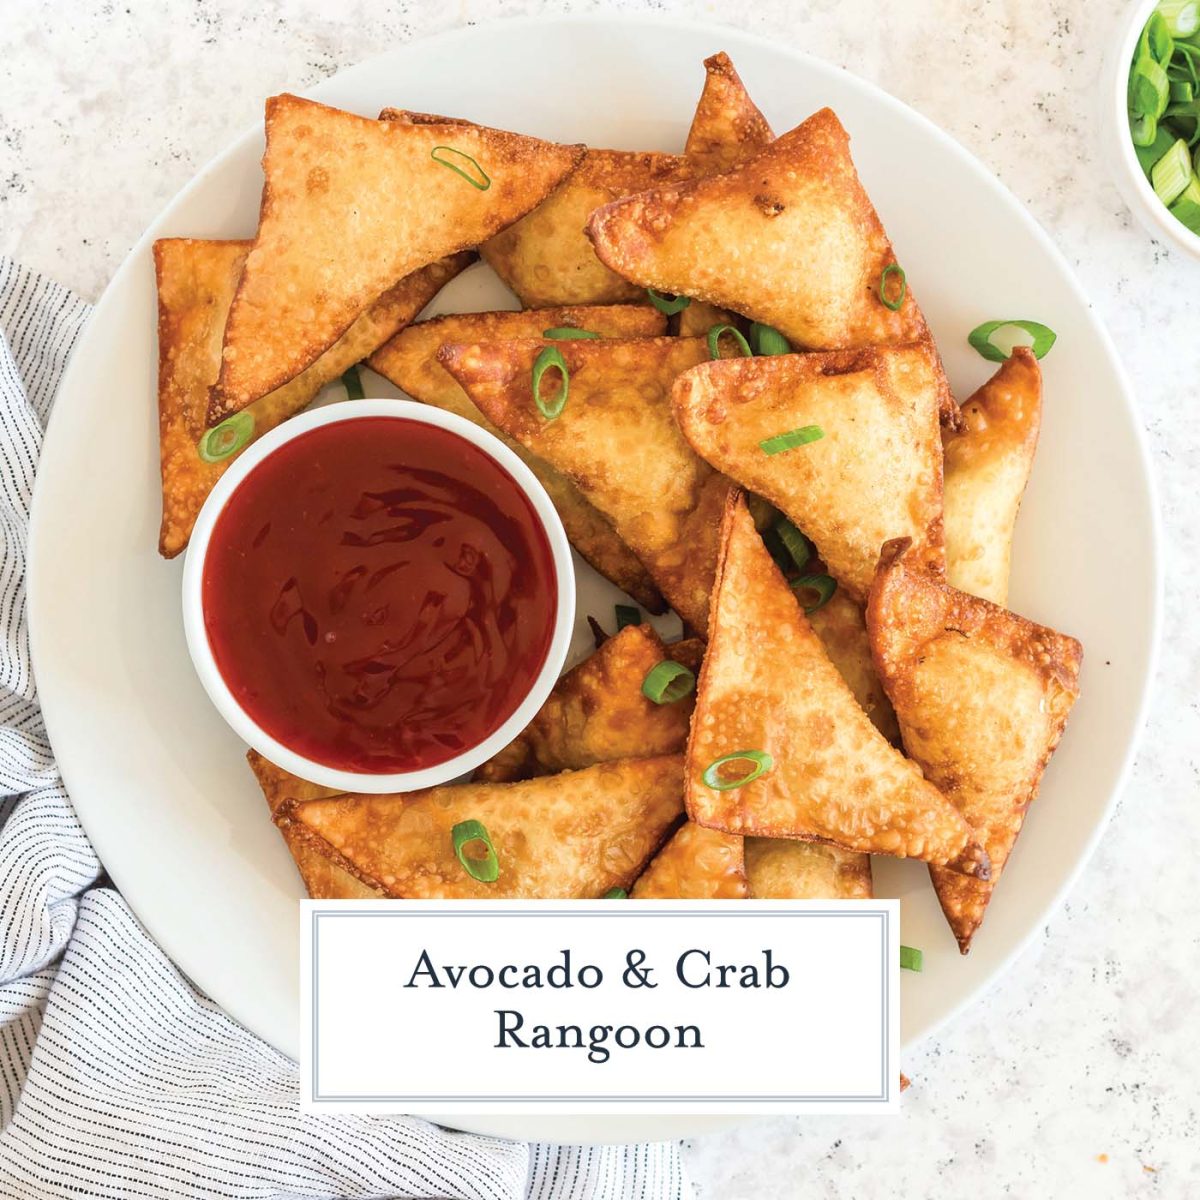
1156, 118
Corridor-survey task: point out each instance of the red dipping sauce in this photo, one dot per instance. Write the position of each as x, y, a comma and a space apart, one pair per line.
379, 595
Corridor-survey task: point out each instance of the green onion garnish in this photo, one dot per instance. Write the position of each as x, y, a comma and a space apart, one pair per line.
484, 867
1172, 173
1156, 42
794, 437
1183, 91
616, 894
667, 682
762, 761
566, 333
668, 305
1182, 17
794, 542
1187, 207
483, 182
627, 614
226, 439
1143, 130
714, 341
550, 359
352, 382
1150, 88
767, 340
896, 302
823, 585
911, 959
1147, 156
981, 338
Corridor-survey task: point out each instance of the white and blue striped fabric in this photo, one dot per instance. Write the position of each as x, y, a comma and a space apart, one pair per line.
117, 1078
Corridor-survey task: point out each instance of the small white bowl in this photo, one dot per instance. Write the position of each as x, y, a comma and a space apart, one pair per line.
1114, 120
214, 683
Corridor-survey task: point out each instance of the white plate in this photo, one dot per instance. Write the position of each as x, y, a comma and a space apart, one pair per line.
158, 779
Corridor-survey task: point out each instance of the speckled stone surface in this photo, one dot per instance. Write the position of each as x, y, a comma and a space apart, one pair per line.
1076, 1075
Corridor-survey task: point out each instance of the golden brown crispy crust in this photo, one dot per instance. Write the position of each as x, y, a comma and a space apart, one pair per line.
698, 318
696, 864
722, 239
410, 362
982, 697
597, 712
767, 685
349, 206
876, 471
196, 283
617, 441
728, 127
570, 836
987, 467
782, 869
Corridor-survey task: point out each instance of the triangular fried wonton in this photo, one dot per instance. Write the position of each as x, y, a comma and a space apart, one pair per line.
788, 238
727, 128
410, 362
570, 836
768, 689
597, 711
982, 696
783, 869
696, 864
196, 283
349, 206
324, 878
987, 467
873, 470
617, 441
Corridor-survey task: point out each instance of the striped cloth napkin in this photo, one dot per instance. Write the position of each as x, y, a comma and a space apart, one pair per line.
117, 1078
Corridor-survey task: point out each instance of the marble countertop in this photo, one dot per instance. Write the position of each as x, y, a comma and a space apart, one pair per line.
1075, 1075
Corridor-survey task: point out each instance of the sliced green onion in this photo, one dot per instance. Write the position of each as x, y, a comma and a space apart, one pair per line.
1150, 89
767, 340
616, 894
352, 382
550, 359
668, 305
566, 333
482, 182
761, 760
714, 341
1187, 207
627, 614
981, 338
1143, 131
485, 867
1172, 173
911, 959
896, 302
1182, 17
1147, 156
1156, 42
823, 585
1183, 91
794, 437
794, 542
667, 682
226, 439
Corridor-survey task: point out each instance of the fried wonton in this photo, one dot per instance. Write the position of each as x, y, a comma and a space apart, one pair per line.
696, 864
727, 128
783, 869
874, 469
196, 283
698, 318
768, 688
982, 696
617, 441
349, 206
323, 878
570, 836
598, 713
986, 469
410, 362
787, 237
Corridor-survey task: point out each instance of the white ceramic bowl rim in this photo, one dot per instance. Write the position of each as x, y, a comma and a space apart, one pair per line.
214, 682
1139, 192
